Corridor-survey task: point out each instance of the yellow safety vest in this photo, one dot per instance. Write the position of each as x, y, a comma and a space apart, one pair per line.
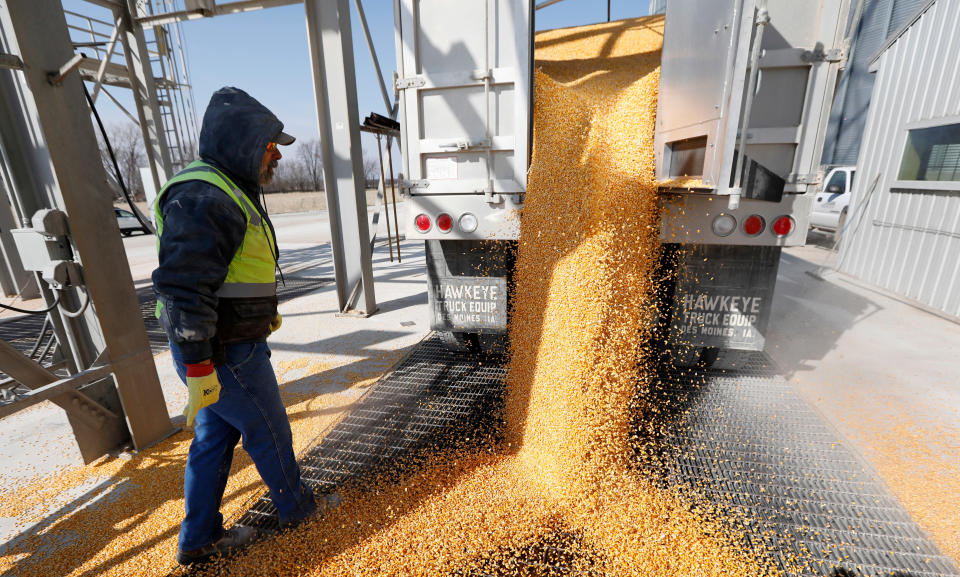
251, 272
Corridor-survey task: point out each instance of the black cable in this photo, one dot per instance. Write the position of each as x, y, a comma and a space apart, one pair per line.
273, 231
55, 304
116, 167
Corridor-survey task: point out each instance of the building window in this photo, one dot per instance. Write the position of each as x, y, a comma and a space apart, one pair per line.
932, 154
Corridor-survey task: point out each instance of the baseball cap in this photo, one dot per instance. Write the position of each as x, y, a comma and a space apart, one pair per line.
284, 139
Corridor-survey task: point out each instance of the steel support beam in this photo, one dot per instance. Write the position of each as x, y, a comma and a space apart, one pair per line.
145, 95
97, 429
32, 186
14, 279
10, 61
373, 56
218, 10
37, 32
546, 3
102, 70
335, 87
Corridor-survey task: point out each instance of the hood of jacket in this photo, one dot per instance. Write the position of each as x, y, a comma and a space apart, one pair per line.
235, 133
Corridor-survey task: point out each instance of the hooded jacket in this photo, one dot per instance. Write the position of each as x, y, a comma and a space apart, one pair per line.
204, 229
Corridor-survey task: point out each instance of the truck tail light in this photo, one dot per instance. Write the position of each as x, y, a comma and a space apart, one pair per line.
468, 222
783, 225
444, 222
422, 222
724, 224
754, 225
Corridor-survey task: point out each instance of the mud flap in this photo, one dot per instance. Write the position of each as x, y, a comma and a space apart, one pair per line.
723, 297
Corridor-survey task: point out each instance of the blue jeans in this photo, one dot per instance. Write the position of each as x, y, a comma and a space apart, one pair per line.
249, 408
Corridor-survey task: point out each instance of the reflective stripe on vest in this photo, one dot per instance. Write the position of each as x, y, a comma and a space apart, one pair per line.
251, 272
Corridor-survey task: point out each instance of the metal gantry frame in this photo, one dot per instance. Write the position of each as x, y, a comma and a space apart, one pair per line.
149, 59
51, 153
51, 160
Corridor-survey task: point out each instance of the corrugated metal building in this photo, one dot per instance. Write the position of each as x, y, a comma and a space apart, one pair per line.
878, 20
904, 231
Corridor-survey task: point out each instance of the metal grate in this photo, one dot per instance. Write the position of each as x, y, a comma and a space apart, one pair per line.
297, 286
431, 397
745, 441
738, 437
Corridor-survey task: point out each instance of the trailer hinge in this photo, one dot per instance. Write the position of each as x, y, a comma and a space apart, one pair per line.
812, 178
818, 55
492, 197
408, 185
464, 144
410, 82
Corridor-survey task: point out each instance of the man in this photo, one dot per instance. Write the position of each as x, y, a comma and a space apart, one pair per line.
217, 301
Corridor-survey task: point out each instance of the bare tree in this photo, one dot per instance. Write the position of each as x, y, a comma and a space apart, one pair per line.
302, 170
127, 143
371, 170
310, 159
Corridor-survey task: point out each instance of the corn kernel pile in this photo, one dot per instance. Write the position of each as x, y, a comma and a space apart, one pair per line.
565, 476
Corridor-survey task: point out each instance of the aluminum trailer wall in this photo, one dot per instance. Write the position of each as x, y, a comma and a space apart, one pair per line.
904, 236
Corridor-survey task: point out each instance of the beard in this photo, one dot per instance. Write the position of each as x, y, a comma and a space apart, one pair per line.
266, 175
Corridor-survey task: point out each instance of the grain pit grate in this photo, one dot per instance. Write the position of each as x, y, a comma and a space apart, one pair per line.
432, 397
739, 438
743, 440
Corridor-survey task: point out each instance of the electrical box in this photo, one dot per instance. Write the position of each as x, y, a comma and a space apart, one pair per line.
38, 250
45, 249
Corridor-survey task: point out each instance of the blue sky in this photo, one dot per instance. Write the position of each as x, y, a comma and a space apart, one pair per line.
265, 53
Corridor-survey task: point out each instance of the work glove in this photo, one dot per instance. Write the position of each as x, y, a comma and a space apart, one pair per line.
204, 387
275, 323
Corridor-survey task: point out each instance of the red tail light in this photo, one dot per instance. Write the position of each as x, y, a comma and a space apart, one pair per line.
753, 225
444, 223
422, 222
783, 225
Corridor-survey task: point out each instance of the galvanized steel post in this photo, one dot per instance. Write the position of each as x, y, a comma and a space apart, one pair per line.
335, 86
144, 91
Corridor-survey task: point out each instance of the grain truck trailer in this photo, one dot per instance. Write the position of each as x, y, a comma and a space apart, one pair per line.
737, 75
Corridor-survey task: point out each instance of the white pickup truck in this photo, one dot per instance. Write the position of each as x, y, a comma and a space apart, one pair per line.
830, 209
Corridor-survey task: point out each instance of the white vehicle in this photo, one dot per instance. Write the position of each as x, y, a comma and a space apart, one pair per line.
128, 222
830, 209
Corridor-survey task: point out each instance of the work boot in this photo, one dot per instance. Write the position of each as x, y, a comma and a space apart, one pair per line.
325, 503
232, 540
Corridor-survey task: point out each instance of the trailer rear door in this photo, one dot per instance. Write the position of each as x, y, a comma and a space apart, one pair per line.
464, 81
